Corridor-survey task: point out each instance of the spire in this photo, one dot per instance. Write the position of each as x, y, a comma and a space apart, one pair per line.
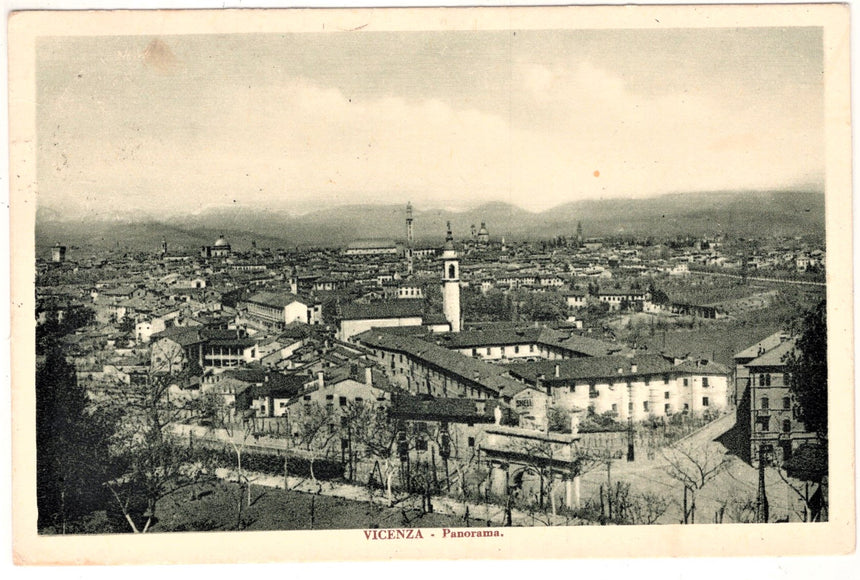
450, 236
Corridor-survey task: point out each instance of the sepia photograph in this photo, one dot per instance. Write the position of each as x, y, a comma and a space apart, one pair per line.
463, 280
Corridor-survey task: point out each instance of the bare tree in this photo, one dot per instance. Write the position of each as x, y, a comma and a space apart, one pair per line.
314, 429
373, 430
458, 456
741, 510
221, 419
154, 463
647, 508
694, 467
811, 511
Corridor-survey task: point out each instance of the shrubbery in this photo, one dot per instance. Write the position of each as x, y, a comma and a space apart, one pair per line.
270, 464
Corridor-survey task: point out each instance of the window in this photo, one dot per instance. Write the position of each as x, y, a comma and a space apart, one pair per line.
329, 397
630, 407
786, 426
531, 348
307, 397
762, 424
686, 382
516, 350
592, 392
344, 421
421, 444
686, 407
666, 408
471, 441
666, 395
614, 408
764, 380
359, 400
452, 272
342, 401
705, 401
474, 352
705, 382
665, 379
765, 403
645, 406
786, 402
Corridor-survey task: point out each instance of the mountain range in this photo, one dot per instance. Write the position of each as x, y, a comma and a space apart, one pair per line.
744, 214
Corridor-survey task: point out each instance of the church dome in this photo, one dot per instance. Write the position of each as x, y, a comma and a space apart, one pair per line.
220, 241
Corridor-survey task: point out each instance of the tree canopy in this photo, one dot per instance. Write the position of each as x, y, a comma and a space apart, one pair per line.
72, 439
806, 368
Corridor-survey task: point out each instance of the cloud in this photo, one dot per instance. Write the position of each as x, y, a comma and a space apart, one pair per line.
175, 144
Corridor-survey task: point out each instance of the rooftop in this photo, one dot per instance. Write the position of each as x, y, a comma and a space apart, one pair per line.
274, 299
387, 309
492, 377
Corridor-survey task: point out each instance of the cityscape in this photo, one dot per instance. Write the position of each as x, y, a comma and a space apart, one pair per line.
471, 382
280, 294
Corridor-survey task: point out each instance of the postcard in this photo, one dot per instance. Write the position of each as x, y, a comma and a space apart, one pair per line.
431, 283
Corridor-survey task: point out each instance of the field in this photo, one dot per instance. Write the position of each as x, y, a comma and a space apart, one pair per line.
213, 508
720, 339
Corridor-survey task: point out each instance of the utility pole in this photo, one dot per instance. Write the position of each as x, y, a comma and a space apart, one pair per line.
761, 505
631, 453
609, 486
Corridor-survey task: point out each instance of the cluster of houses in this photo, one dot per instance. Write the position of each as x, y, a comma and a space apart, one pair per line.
273, 334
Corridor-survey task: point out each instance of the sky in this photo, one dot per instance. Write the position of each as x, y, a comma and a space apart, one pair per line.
159, 126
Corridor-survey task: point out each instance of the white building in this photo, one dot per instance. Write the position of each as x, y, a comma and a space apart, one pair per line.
640, 387
278, 308
451, 283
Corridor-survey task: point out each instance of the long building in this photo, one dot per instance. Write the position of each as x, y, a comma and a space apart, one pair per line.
421, 367
640, 387
527, 343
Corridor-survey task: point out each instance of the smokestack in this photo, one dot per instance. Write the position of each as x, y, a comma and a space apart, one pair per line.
321, 379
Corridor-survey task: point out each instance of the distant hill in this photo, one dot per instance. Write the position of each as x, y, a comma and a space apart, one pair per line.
780, 213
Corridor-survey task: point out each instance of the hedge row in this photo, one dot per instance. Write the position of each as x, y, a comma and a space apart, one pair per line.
269, 464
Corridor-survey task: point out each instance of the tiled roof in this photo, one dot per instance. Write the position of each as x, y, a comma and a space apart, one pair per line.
489, 376
702, 367
371, 244
592, 368
440, 409
579, 344
761, 346
387, 309
773, 357
182, 335
490, 337
274, 299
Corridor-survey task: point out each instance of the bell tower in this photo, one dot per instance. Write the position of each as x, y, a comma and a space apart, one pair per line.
451, 282
410, 240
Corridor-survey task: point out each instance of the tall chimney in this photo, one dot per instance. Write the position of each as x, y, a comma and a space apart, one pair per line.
557, 371
368, 376
321, 378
